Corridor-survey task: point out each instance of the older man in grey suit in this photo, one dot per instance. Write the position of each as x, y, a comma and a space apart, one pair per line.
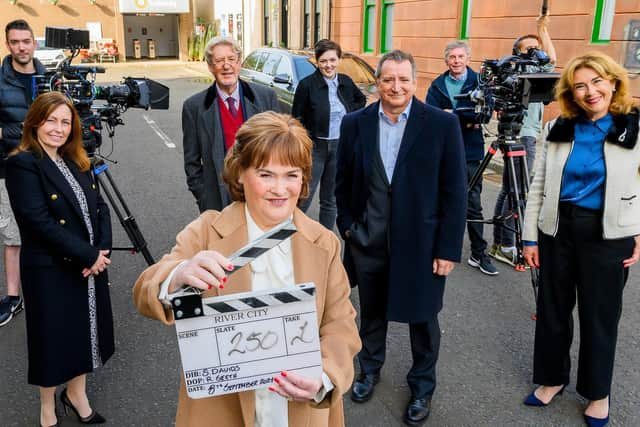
211, 118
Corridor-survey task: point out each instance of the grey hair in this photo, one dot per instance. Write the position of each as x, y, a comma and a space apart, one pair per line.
455, 45
217, 41
396, 56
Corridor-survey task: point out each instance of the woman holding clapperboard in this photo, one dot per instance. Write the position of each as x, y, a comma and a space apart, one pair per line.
66, 239
267, 171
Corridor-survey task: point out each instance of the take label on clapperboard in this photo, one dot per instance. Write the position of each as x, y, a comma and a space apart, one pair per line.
243, 340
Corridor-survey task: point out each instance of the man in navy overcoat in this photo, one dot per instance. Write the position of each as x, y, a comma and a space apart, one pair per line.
401, 198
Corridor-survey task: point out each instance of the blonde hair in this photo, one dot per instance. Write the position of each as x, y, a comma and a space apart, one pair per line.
605, 67
264, 137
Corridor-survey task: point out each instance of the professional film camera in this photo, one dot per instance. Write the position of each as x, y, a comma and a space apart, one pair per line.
78, 83
506, 87
98, 105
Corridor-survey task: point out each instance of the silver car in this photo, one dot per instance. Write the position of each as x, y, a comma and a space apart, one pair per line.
282, 69
50, 57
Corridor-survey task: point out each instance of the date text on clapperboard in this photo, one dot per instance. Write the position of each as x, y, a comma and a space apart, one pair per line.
240, 342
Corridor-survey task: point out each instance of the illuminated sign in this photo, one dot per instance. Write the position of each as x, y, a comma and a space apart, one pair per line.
154, 6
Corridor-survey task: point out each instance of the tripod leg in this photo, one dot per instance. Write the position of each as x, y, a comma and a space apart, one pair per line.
493, 149
519, 188
127, 220
517, 204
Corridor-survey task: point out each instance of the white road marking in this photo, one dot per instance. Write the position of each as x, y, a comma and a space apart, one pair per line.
163, 136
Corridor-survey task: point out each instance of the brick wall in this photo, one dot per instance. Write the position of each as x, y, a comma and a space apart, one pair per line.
424, 27
67, 13
76, 13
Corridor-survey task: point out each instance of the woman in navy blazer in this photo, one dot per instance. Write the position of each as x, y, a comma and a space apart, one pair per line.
321, 114
66, 238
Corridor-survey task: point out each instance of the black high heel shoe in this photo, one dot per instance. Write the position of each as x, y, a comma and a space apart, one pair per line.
93, 418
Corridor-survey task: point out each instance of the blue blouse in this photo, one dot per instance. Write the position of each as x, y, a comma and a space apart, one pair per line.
584, 173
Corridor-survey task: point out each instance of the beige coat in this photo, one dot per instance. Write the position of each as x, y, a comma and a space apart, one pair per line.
316, 258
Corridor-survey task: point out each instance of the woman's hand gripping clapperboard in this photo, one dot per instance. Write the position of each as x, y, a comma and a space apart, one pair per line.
239, 342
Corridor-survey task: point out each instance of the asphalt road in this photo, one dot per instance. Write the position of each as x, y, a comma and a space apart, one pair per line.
485, 363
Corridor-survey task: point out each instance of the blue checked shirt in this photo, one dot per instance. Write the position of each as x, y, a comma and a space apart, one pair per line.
337, 110
390, 138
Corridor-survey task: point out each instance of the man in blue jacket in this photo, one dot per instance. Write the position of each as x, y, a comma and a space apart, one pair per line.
460, 79
16, 95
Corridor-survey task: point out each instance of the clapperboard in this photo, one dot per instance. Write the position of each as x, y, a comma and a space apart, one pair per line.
239, 342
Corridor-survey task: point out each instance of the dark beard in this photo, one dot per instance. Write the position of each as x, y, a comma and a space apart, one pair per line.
21, 61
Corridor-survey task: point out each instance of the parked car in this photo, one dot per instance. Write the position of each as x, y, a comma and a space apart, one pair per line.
49, 56
282, 69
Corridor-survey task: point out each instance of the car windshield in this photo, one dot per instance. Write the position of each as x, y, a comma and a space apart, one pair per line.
358, 72
303, 67
40, 45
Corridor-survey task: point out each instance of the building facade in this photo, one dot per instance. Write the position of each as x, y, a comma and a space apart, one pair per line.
424, 27
168, 23
293, 24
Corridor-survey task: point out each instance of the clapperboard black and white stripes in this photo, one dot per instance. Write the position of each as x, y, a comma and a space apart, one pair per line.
271, 297
262, 244
243, 256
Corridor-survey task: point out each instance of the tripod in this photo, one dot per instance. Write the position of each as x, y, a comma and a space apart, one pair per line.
517, 173
122, 211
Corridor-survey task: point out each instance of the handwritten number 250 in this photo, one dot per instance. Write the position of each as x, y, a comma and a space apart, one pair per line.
255, 341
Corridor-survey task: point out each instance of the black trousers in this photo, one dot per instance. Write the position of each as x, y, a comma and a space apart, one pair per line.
579, 262
372, 269
474, 211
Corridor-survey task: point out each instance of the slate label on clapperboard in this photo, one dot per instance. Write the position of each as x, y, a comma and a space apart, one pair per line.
244, 340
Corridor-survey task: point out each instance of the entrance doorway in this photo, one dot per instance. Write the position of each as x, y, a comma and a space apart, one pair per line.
162, 29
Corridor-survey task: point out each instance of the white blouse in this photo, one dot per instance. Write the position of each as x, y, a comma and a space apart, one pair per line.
272, 270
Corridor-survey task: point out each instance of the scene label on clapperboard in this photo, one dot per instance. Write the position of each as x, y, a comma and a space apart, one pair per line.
239, 342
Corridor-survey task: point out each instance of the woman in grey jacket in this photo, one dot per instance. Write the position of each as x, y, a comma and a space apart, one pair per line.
582, 223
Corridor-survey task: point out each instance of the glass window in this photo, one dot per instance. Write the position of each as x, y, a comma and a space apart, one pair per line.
251, 61
369, 25
386, 41
306, 31
284, 67
265, 14
603, 21
303, 67
271, 63
261, 61
316, 22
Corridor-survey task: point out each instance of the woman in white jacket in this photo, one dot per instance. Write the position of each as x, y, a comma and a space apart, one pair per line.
582, 223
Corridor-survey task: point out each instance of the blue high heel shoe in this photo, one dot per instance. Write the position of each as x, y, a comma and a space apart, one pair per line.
598, 422
532, 400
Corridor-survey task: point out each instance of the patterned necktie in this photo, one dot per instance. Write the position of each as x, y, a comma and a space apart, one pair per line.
232, 106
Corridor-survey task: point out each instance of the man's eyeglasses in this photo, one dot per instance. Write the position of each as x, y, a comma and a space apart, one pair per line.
220, 62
